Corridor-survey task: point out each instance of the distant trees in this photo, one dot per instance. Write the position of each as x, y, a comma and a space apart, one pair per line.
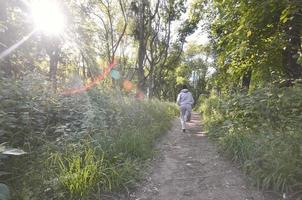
153, 33
137, 33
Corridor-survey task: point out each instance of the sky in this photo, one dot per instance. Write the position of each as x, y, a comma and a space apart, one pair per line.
198, 37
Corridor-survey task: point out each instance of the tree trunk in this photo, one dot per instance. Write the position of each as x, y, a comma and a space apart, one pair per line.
5, 63
142, 47
53, 51
53, 68
291, 66
151, 82
246, 80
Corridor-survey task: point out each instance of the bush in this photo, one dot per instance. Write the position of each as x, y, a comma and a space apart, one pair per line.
78, 146
262, 131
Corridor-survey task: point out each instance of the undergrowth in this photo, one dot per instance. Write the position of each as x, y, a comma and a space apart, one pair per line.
78, 146
262, 132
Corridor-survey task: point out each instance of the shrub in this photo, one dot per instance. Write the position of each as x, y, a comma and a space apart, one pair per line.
78, 146
262, 131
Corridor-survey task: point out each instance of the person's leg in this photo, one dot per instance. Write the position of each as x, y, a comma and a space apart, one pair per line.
182, 117
188, 116
189, 111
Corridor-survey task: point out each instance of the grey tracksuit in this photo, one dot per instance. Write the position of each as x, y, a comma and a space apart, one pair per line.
185, 101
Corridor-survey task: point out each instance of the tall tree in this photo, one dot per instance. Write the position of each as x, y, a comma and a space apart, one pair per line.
256, 42
153, 33
292, 27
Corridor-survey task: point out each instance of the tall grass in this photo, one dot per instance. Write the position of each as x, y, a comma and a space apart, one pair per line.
78, 146
79, 172
261, 131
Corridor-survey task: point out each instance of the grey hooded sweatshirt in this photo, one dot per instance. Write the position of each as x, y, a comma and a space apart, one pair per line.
185, 98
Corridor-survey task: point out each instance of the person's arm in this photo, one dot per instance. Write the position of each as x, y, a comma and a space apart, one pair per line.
178, 99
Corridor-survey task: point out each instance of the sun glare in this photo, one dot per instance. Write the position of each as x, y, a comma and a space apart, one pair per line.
48, 16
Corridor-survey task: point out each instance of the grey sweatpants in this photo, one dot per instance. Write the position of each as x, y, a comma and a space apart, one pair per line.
185, 112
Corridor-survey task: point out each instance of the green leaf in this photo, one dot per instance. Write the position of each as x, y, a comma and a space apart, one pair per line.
284, 16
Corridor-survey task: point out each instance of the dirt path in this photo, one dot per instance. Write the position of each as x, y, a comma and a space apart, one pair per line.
190, 168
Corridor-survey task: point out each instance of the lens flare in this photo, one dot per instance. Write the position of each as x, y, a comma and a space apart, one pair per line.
92, 83
15, 46
128, 85
140, 95
115, 74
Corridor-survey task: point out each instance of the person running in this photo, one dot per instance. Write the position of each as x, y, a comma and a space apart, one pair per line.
185, 101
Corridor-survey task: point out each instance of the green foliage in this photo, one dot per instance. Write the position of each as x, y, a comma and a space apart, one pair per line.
262, 131
93, 142
78, 173
253, 36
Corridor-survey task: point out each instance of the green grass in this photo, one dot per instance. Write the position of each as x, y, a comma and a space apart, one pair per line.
80, 146
79, 172
262, 132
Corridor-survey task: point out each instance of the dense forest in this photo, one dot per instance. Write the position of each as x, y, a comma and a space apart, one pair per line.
88, 86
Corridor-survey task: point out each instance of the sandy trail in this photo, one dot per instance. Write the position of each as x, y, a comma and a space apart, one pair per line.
190, 168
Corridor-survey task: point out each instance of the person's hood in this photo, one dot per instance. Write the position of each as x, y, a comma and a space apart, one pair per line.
184, 90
